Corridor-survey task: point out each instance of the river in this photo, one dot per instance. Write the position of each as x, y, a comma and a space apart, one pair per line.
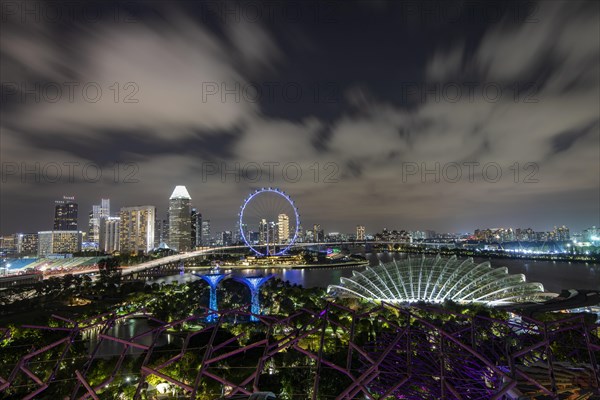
554, 275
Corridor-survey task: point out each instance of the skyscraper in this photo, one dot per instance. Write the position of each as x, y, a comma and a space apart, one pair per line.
206, 239
360, 232
237, 234
8, 245
562, 233
99, 213
318, 234
263, 231
161, 231
180, 221
65, 214
196, 228
226, 238
58, 242
27, 243
109, 233
136, 229
283, 226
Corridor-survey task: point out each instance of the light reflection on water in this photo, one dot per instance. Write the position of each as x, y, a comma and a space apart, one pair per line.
554, 275
125, 329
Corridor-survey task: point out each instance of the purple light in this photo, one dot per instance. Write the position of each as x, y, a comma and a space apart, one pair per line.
241, 222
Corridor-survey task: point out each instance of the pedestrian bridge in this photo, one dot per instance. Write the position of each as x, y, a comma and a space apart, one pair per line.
177, 258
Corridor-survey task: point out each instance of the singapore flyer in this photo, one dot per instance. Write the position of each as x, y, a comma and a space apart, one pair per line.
269, 222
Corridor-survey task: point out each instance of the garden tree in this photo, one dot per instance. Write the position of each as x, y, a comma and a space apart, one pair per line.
9, 295
110, 276
68, 282
52, 287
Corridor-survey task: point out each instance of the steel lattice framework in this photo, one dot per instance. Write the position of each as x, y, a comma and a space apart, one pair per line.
383, 352
436, 280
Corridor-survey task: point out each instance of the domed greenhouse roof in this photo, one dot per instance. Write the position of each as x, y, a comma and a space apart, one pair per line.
435, 280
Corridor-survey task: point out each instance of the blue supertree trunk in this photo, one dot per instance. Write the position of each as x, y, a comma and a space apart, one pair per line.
213, 281
254, 283
254, 304
212, 304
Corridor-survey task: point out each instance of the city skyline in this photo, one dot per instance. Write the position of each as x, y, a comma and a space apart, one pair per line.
227, 224
447, 116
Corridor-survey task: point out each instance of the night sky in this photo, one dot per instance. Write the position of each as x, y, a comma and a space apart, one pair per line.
367, 94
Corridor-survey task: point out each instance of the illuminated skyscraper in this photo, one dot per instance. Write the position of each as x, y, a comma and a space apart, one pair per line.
27, 243
180, 220
58, 242
263, 231
562, 233
318, 234
206, 239
226, 238
136, 229
161, 231
196, 231
109, 234
65, 214
99, 213
8, 245
360, 232
283, 227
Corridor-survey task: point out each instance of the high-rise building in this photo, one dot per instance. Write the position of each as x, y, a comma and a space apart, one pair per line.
360, 232
65, 214
136, 229
98, 213
27, 244
246, 229
252, 237
418, 235
196, 231
283, 227
8, 245
206, 239
180, 221
93, 225
301, 235
263, 231
161, 231
272, 233
226, 238
318, 234
59, 242
109, 234
308, 236
237, 232
562, 233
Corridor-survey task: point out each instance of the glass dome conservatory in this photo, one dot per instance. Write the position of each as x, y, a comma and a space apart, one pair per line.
435, 280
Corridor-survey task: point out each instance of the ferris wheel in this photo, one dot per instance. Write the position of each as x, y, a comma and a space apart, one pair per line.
269, 222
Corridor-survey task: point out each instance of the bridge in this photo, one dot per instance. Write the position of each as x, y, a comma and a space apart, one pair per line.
170, 264
182, 257
178, 258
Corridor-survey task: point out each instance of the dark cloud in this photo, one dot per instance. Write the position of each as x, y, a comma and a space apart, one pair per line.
563, 141
338, 109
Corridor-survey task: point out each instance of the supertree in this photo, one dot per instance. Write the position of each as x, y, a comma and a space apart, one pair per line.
213, 281
254, 283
